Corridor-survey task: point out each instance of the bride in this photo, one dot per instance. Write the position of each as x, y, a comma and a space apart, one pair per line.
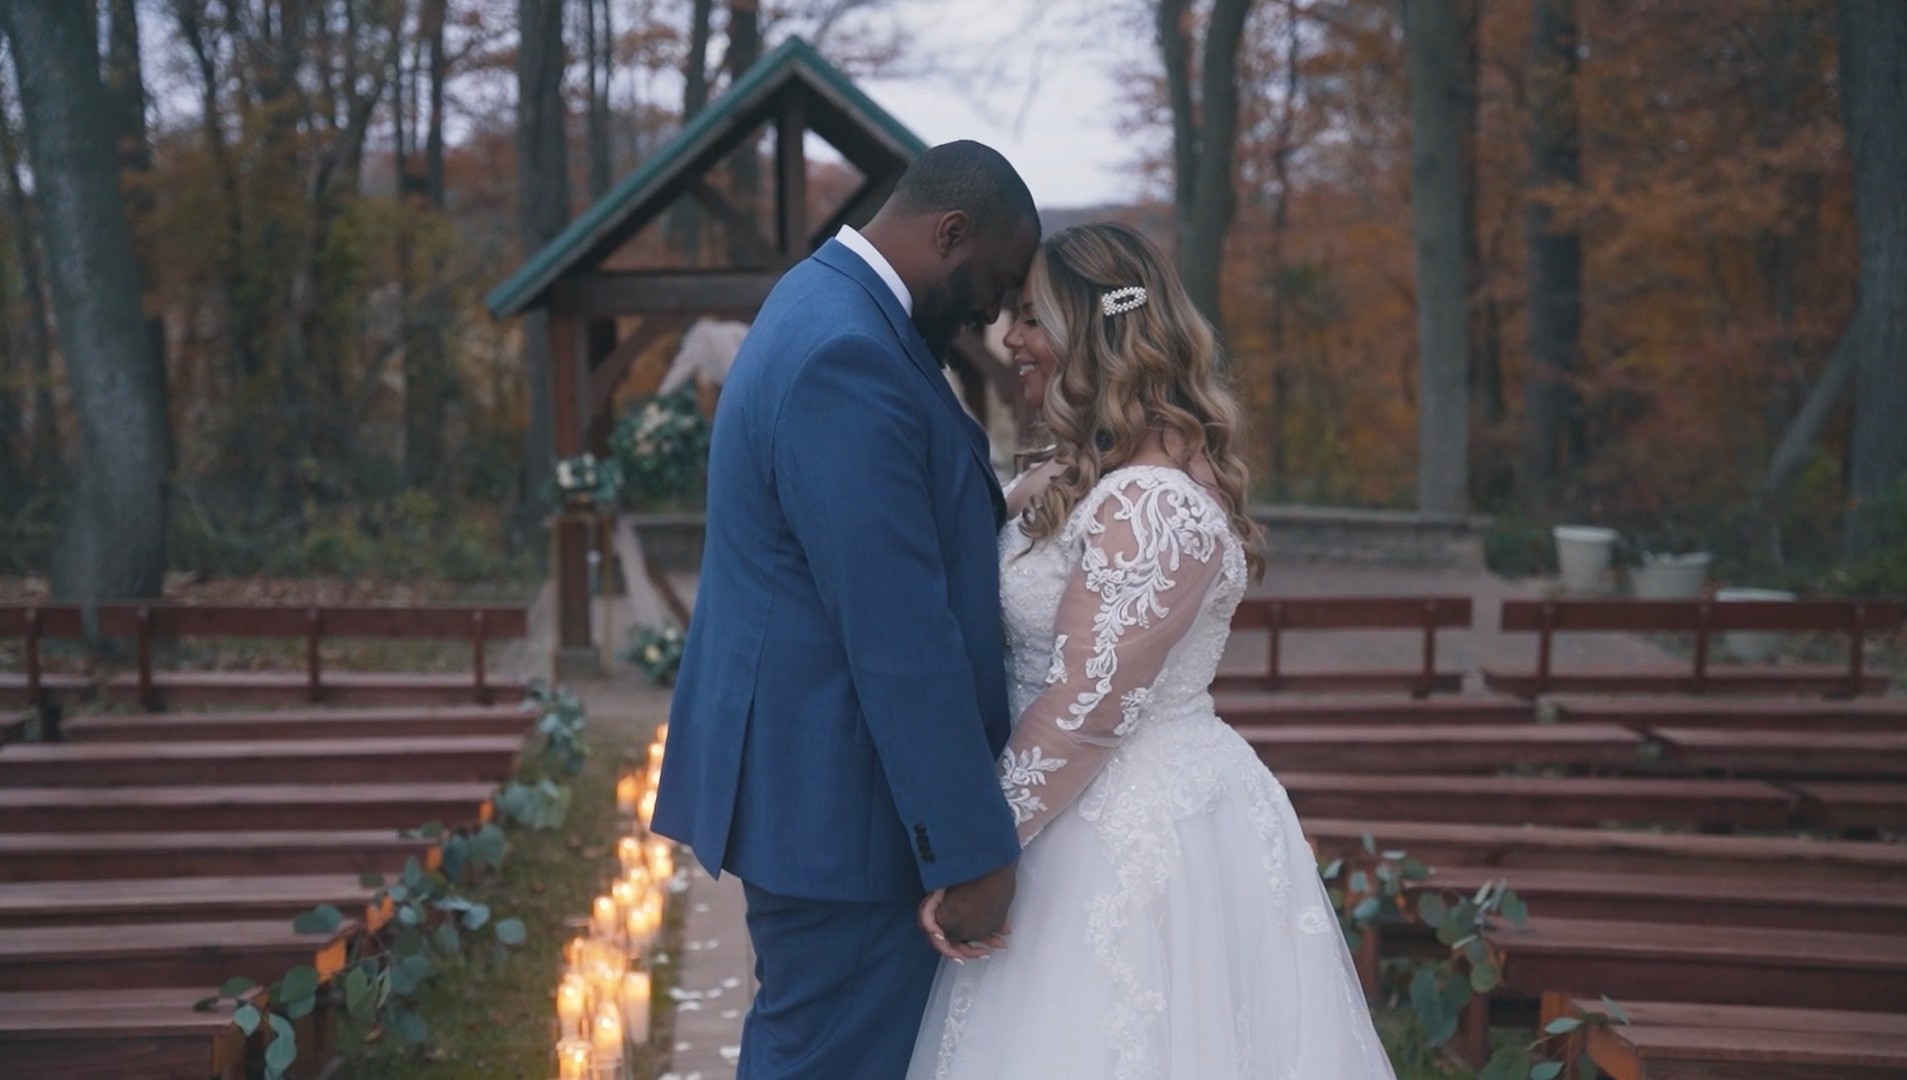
1169, 920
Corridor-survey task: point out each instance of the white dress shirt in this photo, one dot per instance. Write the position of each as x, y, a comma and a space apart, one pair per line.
855, 242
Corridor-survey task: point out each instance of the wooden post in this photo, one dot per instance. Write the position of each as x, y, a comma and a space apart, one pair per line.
1430, 651
791, 190
144, 649
576, 653
1277, 631
1543, 648
33, 656
1856, 649
314, 660
1471, 1044
477, 633
1704, 627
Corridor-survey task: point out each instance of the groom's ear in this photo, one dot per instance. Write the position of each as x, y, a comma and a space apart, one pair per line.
951, 229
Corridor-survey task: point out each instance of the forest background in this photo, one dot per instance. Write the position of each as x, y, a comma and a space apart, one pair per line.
1597, 261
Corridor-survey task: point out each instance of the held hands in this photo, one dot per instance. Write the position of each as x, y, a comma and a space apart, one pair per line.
968, 921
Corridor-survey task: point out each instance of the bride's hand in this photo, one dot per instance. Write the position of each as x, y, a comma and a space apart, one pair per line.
957, 952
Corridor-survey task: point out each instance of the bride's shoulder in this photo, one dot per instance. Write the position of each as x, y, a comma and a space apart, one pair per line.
1144, 492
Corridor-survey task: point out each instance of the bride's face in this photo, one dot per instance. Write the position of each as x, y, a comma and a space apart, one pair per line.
1032, 352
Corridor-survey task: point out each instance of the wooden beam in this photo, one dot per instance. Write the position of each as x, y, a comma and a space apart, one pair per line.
737, 223
791, 190
857, 210
610, 373
570, 538
678, 292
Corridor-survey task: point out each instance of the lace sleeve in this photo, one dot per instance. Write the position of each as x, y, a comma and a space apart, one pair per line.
1150, 551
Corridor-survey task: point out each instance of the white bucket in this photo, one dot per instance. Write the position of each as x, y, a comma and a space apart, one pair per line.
1582, 554
1752, 646
1670, 577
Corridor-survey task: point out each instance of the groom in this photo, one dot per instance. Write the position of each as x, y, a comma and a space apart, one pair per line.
843, 694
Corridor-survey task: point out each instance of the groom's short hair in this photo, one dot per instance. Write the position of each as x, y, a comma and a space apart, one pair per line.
967, 176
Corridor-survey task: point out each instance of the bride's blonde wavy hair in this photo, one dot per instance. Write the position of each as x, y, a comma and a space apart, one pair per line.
1121, 377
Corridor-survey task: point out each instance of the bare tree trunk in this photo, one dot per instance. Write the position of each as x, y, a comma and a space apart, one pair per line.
113, 544
1552, 421
685, 221
744, 50
430, 379
1204, 140
1433, 40
543, 200
1874, 94
600, 45
126, 87
44, 460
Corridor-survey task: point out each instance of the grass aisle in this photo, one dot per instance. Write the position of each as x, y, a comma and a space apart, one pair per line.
497, 1023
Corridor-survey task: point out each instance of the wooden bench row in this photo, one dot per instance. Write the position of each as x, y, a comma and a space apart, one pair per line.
394, 759
1425, 616
1690, 1041
144, 624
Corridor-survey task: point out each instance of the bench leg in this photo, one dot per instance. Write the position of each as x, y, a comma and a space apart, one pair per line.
1471, 1043
51, 714
1368, 960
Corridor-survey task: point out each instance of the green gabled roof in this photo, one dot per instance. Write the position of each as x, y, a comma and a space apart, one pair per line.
793, 60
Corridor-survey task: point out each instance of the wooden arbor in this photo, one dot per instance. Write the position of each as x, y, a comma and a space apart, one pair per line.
589, 277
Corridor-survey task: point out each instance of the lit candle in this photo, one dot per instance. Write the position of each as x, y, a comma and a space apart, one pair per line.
662, 733
635, 1006
606, 1038
572, 1003
636, 931
630, 855
572, 1059
628, 793
646, 812
661, 860
605, 923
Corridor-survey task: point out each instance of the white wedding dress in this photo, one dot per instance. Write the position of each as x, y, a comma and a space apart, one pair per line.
1170, 922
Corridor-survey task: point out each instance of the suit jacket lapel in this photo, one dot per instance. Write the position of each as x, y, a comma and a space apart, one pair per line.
838, 256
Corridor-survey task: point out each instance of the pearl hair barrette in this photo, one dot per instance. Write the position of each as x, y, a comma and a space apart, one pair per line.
1122, 300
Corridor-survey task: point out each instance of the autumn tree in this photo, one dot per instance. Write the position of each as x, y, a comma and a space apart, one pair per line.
1203, 89
113, 544
1552, 425
1874, 91
1434, 42
542, 200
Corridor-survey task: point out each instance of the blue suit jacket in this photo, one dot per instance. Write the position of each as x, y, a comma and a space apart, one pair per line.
842, 697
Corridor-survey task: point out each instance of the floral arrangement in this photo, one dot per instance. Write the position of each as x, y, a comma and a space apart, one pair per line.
662, 447
584, 478
657, 651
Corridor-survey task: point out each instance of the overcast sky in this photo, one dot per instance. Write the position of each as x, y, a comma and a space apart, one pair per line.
1033, 78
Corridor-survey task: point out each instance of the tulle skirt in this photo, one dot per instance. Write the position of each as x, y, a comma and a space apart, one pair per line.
1171, 924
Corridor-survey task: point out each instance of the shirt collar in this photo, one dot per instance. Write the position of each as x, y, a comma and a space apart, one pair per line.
852, 239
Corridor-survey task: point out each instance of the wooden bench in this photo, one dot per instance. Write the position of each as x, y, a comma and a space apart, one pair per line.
1736, 714
1703, 619
1853, 804
212, 808
107, 856
163, 954
200, 899
1544, 800
1279, 615
480, 720
1798, 753
1723, 965
111, 1034
34, 687
313, 625
1684, 1041
1513, 847
1370, 710
1439, 749
289, 761
1789, 903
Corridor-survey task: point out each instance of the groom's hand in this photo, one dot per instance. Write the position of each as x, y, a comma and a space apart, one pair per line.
974, 912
